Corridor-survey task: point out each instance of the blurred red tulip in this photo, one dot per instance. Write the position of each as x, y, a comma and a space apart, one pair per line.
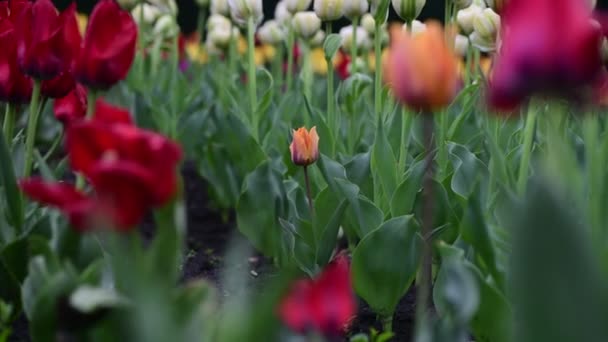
124, 149
59, 86
109, 46
47, 42
343, 66
548, 47
108, 113
15, 87
325, 304
72, 107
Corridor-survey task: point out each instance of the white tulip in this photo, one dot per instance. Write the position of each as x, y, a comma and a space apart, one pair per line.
220, 37
306, 24
271, 33
486, 23
465, 18
318, 39
243, 10
295, 6
417, 27
165, 6
166, 26
369, 23
484, 44
461, 45
218, 21
150, 14
282, 14
408, 9
328, 10
363, 39
355, 8
220, 7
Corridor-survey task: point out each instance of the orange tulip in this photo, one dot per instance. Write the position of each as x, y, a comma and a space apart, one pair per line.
305, 146
421, 70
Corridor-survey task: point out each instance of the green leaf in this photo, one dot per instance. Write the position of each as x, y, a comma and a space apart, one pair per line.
468, 170
404, 197
8, 182
359, 172
261, 203
331, 45
331, 170
382, 11
13, 269
384, 164
385, 263
368, 216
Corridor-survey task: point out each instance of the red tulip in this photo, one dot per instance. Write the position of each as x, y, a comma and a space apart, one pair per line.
72, 107
109, 46
15, 87
343, 66
108, 113
59, 86
325, 304
123, 149
548, 47
47, 42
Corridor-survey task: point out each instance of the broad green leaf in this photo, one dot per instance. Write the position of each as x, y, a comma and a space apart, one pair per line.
8, 182
404, 197
384, 164
331, 45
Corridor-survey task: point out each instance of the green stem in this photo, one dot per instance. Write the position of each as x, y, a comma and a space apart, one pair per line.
406, 124
353, 47
442, 157
308, 191
91, 102
232, 52
528, 139
32, 123
307, 70
290, 46
378, 70
202, 16
251, 81
387, 323
9, 123
331, 101
277, 64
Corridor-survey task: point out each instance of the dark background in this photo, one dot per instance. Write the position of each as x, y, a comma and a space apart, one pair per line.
188, 11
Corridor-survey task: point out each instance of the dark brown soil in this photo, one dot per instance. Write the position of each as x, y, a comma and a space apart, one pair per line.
208, 238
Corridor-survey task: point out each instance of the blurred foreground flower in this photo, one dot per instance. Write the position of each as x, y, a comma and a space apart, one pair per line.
549, 47
324, 305
108, 49
305, 146
73, 108
15, 87
421, 70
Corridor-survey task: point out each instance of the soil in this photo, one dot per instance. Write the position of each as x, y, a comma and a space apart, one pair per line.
209, 235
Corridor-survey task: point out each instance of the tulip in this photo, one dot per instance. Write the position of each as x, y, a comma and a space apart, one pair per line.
460, 4
355, 8
421, 70
72, 107
318, 39
15, 87
484, 44
109, 46
461, 45
218, 21
165, 6
149, 15
343, 68
59, 86
417, 27
271, 33
465, 18
282, 14
220, 37
486, 23
347, 35
408, 10
305, 146
306, 24
325, 304
369, 23
220, 7
166, 27
295, 6
47, 43
329, 10
243, 10
547, 46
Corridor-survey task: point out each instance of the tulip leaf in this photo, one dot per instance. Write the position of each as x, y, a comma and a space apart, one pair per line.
468, 170
359, 172
404, 197
385, 263
384, 164
331, 170
13, 269
331, 45
329, 211
382, 11
8, 182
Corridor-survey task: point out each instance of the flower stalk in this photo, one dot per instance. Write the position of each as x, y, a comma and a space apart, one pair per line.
308, 191
528, 139
9, 123
378, 70
251, 81
32, 124
290, 59
353, 46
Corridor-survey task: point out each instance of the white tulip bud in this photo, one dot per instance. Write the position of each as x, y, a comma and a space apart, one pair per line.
282, 14
369, 23
484, 44
465, 18
328, 10
355, 8
460, 4
408, 9
486, 23
150, 13
295, 6
220, 7
271, 33
220, 37
461, 45
363, 40
166, 26
306, 24
318, 39
217, 21
243, 10
417, 27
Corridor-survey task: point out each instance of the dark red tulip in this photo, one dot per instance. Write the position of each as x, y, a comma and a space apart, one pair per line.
15, 87
343, 66
151, 156
59, 86
547, 47
72, 107
108, 113
325, 304
48, 43
109, 46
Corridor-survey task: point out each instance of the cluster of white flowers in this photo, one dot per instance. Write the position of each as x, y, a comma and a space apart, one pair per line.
479, 25
161, 15
220, 32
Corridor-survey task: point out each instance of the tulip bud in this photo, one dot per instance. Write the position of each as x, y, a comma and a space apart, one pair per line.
282, 15
243, 10
485, 44
271, 33
461, 45
318, 39
220, 7
166, 26
304, 146
408, 10
486, 23
465, 18
295, 6
306, 24
369, 24
355, 8
363, 40
328, 10
218, 21
220, 37
150, 14
460, 4
417, 27
165, 6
